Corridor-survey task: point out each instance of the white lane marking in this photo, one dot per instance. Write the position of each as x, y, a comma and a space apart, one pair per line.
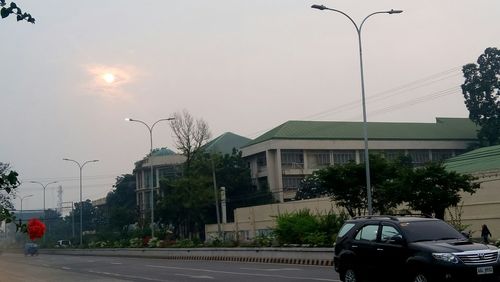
127, 276
195, 276
116, 263
65, 268
271, 269
243, 273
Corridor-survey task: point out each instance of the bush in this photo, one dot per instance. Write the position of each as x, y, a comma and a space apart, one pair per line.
305, 228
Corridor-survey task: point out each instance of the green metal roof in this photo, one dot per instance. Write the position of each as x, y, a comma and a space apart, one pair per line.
162, 152
442, 129
226, 142
479, 160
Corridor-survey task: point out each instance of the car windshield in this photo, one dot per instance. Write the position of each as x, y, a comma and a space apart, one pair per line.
417, 231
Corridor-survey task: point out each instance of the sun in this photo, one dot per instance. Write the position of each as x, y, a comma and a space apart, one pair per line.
108, 77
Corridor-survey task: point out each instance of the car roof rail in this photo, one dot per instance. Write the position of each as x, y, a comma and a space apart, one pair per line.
393, 216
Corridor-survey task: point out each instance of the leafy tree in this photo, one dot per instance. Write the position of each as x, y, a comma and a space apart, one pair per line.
121, 203
186, 204
90, 216
233, 173
8, 182
346, 185
481, 90
12, 9
432, 189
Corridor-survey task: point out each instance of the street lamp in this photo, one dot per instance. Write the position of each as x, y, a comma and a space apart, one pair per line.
43, 186
150, 128
22, 198
81, 203
365, 126
44, 211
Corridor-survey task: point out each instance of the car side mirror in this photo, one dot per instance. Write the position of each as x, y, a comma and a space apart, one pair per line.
396, 240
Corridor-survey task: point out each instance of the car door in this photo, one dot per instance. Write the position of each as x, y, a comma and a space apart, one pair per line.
391, 253
364, 249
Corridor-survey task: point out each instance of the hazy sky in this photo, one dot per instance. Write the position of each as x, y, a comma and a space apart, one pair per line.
243, 66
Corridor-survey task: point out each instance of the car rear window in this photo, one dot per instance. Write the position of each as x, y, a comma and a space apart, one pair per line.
416, 231
345, 229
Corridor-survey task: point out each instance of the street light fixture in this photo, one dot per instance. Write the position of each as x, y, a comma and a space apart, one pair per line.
81, 202
150, 128
22, 198
365, 126
44, 210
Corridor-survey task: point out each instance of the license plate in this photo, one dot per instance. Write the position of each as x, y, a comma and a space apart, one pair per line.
484, 270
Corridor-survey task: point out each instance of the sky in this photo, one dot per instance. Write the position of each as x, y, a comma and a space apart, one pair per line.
69, 81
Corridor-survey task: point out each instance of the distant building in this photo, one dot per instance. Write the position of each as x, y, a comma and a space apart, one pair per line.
280, 158
166, 164
482, 207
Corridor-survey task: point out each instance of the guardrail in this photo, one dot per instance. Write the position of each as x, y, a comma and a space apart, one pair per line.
310, 256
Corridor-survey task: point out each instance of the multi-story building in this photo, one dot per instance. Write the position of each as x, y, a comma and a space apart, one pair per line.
283, 156
166, 164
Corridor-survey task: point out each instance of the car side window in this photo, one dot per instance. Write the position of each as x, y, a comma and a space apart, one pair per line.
367, 233
389, 233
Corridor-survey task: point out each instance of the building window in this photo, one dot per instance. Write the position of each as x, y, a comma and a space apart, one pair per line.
293, 159
440, 155
318, 159
261, 162
341, 157
392, 155
291, 183
419, 157
169, 172
140, 184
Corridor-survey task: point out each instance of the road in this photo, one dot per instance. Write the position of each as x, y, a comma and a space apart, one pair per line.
17, 267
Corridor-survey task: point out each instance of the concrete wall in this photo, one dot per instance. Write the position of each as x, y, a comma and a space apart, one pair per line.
260, 220
483, 207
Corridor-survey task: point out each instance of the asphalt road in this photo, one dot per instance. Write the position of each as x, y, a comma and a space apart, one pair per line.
17, 267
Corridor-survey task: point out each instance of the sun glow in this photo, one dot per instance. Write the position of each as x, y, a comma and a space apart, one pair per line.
108, 77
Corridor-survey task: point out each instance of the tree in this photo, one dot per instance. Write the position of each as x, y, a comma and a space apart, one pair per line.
432, 189
233, 173
121, 203
346, 185
481, 90
12, 9
190, 135
8, 182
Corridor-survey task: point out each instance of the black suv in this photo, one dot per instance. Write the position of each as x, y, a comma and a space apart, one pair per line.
416, 249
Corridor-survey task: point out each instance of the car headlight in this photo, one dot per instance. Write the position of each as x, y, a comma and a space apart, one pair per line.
446, 257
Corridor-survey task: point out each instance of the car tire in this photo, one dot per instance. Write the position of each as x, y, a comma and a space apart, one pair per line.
350, 275
421, 277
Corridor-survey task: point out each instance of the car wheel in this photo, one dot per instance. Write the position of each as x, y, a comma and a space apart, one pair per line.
421, 277
350, 275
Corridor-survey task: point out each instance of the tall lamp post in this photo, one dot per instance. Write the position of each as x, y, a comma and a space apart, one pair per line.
44, 186
81, 203
150, 128
365, 126
22, 198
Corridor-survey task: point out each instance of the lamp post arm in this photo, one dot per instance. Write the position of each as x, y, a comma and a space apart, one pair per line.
358, 29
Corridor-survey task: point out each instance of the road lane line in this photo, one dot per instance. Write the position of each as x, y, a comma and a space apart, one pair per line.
127, 276
243, 273
271, 269
195, 276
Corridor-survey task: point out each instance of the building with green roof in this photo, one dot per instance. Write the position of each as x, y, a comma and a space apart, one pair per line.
166, 164
482, 207
283, 156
